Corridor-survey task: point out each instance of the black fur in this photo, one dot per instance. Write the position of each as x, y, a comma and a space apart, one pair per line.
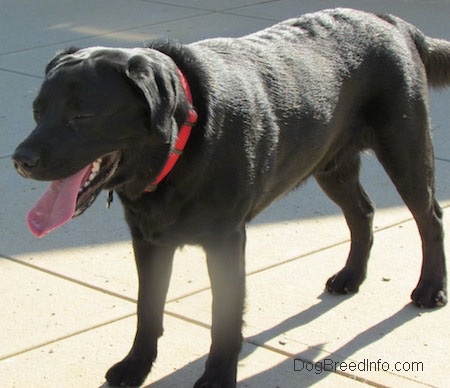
302, 98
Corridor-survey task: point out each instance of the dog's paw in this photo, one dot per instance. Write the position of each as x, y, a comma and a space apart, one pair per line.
428, 295
127, 373
344, 282
218, 375
205, 382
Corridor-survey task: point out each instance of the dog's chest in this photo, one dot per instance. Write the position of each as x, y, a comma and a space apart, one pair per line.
173, 223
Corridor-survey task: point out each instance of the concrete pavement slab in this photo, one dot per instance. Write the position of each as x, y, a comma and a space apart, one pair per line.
16, 116
439, 111
214, 5
81, 361
58, 21
38, 308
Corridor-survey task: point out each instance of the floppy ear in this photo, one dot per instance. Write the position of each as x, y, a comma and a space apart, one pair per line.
59, 55
157, 83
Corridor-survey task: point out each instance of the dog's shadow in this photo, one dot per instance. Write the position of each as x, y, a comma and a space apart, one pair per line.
280, 374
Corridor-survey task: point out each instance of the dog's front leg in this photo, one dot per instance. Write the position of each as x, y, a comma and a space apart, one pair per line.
154, 266
226, 266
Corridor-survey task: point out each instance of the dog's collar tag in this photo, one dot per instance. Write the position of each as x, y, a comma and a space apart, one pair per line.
183, 137
109, 198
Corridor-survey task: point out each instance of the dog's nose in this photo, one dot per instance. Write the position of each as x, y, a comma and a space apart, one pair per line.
24, 161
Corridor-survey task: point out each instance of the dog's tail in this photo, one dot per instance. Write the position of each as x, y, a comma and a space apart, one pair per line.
435, 54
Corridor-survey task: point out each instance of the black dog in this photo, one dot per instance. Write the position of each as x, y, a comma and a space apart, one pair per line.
302, 98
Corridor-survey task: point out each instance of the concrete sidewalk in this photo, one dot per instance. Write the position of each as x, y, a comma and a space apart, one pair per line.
67, 303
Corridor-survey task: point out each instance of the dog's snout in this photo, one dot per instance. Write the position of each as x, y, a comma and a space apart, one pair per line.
24, 161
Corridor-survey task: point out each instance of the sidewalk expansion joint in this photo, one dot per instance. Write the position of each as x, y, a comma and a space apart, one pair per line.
21, 73
294, 356
69, 279
226, 10
64, 337
108, 32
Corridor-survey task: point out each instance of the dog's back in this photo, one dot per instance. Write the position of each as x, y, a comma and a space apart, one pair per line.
328, 77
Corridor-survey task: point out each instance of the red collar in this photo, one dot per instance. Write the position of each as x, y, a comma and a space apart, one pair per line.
180, 143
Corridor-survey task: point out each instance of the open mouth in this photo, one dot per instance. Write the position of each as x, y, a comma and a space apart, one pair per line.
70, 197
96, 176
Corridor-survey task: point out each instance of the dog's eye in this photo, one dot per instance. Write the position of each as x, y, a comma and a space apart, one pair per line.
81, 117
81, 123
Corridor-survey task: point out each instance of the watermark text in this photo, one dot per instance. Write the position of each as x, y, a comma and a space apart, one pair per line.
366, 365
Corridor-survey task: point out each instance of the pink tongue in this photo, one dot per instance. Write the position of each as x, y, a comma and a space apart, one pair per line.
57, 205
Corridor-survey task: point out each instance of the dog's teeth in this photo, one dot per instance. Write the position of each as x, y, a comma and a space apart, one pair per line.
94, 171
95, 167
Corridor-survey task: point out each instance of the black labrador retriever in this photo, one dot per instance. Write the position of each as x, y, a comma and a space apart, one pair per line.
197, 139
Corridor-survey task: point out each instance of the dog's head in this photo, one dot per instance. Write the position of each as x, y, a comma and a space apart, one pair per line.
99, 111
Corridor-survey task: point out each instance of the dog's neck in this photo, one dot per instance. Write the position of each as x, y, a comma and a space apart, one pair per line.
182, 138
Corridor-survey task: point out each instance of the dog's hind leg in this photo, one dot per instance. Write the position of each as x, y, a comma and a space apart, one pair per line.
406, 152
341, 183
